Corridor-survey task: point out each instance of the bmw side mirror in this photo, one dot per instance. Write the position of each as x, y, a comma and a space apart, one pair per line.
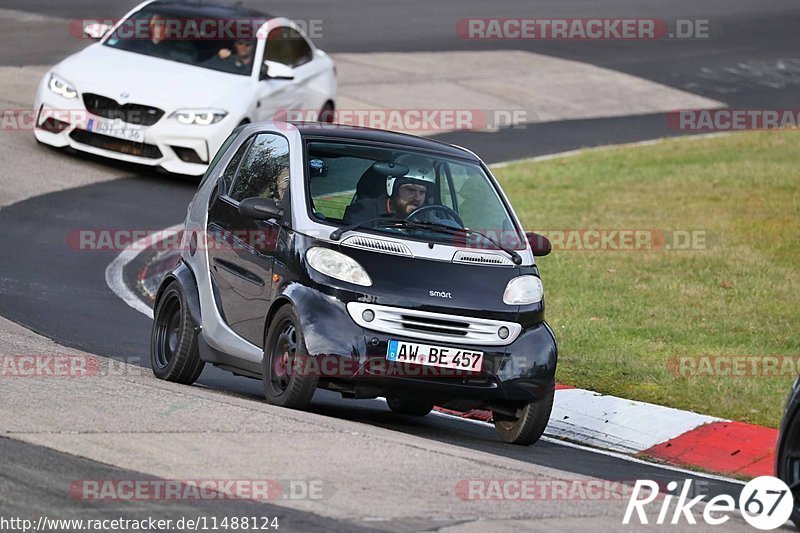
539, 244
260, 208
96, 30
272, 70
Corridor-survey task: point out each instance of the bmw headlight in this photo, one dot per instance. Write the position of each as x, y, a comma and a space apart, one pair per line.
337, 265
62, 87
201, 117
523, 290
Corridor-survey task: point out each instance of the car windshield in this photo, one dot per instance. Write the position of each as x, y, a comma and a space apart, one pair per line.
406, 193
192, 40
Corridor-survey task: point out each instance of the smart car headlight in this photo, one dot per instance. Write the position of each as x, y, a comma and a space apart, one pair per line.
337, 265
61, 87
200, 117
523, 290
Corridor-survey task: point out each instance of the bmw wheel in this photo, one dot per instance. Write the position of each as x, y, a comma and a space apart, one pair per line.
173, 341
286, 384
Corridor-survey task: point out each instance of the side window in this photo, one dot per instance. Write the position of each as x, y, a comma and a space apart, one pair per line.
233, 166
217, 157
332, 192
476, 200
264, 170
286, 45
301, 51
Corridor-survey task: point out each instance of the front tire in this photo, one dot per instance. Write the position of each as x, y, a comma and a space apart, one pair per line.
529, 425
285, 384
409, 407
173, 341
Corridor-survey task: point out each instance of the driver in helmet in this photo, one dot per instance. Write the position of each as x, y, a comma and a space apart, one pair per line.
403, 196
407, 193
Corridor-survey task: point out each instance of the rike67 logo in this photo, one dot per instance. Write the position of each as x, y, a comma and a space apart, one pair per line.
765, 503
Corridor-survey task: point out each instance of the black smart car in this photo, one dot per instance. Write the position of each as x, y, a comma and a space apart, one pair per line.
370, 263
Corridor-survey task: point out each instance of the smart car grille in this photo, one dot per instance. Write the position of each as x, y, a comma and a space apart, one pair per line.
448, 327
425, 325
482, 258
149, 151
105, 107
380, 245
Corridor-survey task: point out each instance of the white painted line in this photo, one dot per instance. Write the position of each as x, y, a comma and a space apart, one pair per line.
115, 279
618, 424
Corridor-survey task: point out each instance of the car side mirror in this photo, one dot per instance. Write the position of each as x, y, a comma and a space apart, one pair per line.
539, 244
272, 70
96, 30
259, 208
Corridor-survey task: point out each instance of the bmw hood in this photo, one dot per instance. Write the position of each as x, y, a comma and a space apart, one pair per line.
166, 84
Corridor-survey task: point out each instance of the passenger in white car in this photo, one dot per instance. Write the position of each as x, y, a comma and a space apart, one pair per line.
240, 62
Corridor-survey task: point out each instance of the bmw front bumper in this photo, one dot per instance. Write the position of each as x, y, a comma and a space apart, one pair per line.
168, 144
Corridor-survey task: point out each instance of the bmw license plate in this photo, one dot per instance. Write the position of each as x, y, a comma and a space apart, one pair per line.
116, 128
439, 356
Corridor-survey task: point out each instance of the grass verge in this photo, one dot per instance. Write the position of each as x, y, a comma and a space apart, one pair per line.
635, 323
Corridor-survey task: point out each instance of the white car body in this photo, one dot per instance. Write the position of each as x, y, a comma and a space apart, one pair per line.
134, 78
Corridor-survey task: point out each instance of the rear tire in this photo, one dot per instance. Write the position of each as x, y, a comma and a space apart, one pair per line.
409, 407
173, 340
284, 382
529, 425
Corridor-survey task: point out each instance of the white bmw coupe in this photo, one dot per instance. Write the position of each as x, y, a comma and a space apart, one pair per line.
166, 84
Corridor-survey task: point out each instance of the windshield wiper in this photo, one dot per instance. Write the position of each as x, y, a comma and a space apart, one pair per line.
515, 257
337, 233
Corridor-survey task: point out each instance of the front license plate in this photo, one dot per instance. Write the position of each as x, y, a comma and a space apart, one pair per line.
115, 128
425, 354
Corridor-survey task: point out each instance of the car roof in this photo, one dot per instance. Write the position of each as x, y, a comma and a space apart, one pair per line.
201, 8
357, 133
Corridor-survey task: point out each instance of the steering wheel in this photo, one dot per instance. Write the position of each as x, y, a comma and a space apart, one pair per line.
415, 216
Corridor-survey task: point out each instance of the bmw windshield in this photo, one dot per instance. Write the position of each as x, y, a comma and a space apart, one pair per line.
190, 40
404, 193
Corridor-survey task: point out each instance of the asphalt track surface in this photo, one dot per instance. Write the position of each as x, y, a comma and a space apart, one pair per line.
752, 62
28, 468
